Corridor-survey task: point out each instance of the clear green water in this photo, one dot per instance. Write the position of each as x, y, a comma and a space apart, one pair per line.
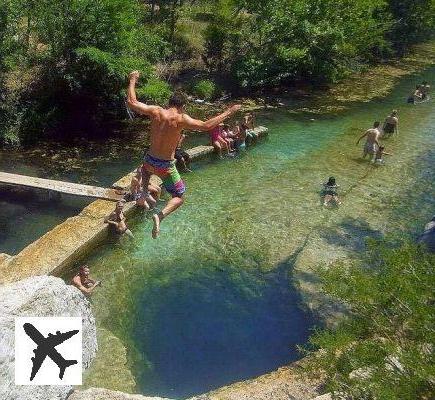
222, 295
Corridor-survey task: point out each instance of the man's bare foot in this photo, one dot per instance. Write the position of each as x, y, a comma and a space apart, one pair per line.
156, 227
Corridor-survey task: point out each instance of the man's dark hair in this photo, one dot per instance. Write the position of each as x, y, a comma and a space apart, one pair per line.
376, 124
177, 100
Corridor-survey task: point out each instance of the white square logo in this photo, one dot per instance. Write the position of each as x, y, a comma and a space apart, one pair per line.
48, 351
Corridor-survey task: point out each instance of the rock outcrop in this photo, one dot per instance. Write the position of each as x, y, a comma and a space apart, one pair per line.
286, 383
40, 296
105, 394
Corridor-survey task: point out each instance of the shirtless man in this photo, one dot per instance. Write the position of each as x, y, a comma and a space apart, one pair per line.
166, 127
372, 144
117, 220
391, 124
83, 282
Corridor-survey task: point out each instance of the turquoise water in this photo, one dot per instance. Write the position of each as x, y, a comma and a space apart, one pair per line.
227, 290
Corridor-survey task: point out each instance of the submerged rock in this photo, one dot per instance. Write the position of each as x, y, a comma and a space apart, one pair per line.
40, 296
105, 394
428, 236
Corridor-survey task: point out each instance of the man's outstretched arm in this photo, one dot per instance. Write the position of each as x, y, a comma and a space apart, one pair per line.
132, 102
204, 126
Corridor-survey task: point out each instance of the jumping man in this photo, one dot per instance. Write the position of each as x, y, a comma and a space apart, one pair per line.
166, 127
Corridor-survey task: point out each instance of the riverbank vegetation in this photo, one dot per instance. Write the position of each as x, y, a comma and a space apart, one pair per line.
63, 64
383, 349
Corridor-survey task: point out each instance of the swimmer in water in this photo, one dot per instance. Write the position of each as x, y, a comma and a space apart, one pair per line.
84, 282
330, 192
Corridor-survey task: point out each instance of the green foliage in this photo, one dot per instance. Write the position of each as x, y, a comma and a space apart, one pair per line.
76, 54
156, 91
383, 349
414, 21
205, 89
83, 51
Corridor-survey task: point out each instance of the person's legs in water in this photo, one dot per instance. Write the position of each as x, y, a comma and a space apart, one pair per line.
218, 147
129, 233
327, 199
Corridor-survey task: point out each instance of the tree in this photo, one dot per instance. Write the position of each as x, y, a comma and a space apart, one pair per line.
383, 349
414, 21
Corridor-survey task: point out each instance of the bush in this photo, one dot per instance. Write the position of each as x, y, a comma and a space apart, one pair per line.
383, 349
156, 91
205, 89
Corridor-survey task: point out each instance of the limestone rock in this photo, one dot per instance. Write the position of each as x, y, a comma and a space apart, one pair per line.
105, 394
40, 296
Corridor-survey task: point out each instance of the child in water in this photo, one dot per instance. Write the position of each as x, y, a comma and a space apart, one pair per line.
330, 192
379, 155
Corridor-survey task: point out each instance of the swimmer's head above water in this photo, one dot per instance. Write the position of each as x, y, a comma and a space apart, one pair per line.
84, 270
331, 181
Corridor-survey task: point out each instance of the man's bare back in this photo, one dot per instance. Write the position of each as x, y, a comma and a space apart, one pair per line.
166, 128
372, 135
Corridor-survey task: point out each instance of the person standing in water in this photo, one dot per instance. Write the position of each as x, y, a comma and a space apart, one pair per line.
372, 140
167, 125
424, 89
391, 124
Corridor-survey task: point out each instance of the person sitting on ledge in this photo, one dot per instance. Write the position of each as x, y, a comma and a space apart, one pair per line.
228, 136
83, 282
248, 128
218, 142
117, 220
136, 191
182, 157
240, 137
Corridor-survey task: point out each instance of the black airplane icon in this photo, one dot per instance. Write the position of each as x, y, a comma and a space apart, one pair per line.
46, 347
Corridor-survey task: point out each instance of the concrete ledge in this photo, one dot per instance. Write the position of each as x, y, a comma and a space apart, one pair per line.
70, 241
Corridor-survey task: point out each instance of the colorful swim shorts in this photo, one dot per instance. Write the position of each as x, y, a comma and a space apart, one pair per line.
167, 171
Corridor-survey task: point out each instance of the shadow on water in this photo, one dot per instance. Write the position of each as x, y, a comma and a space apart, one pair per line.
210, 326
350, 233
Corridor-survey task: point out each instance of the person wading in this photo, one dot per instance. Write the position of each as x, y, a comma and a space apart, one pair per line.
167, 125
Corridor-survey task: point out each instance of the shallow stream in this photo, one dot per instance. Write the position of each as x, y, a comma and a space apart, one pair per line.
227, 291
